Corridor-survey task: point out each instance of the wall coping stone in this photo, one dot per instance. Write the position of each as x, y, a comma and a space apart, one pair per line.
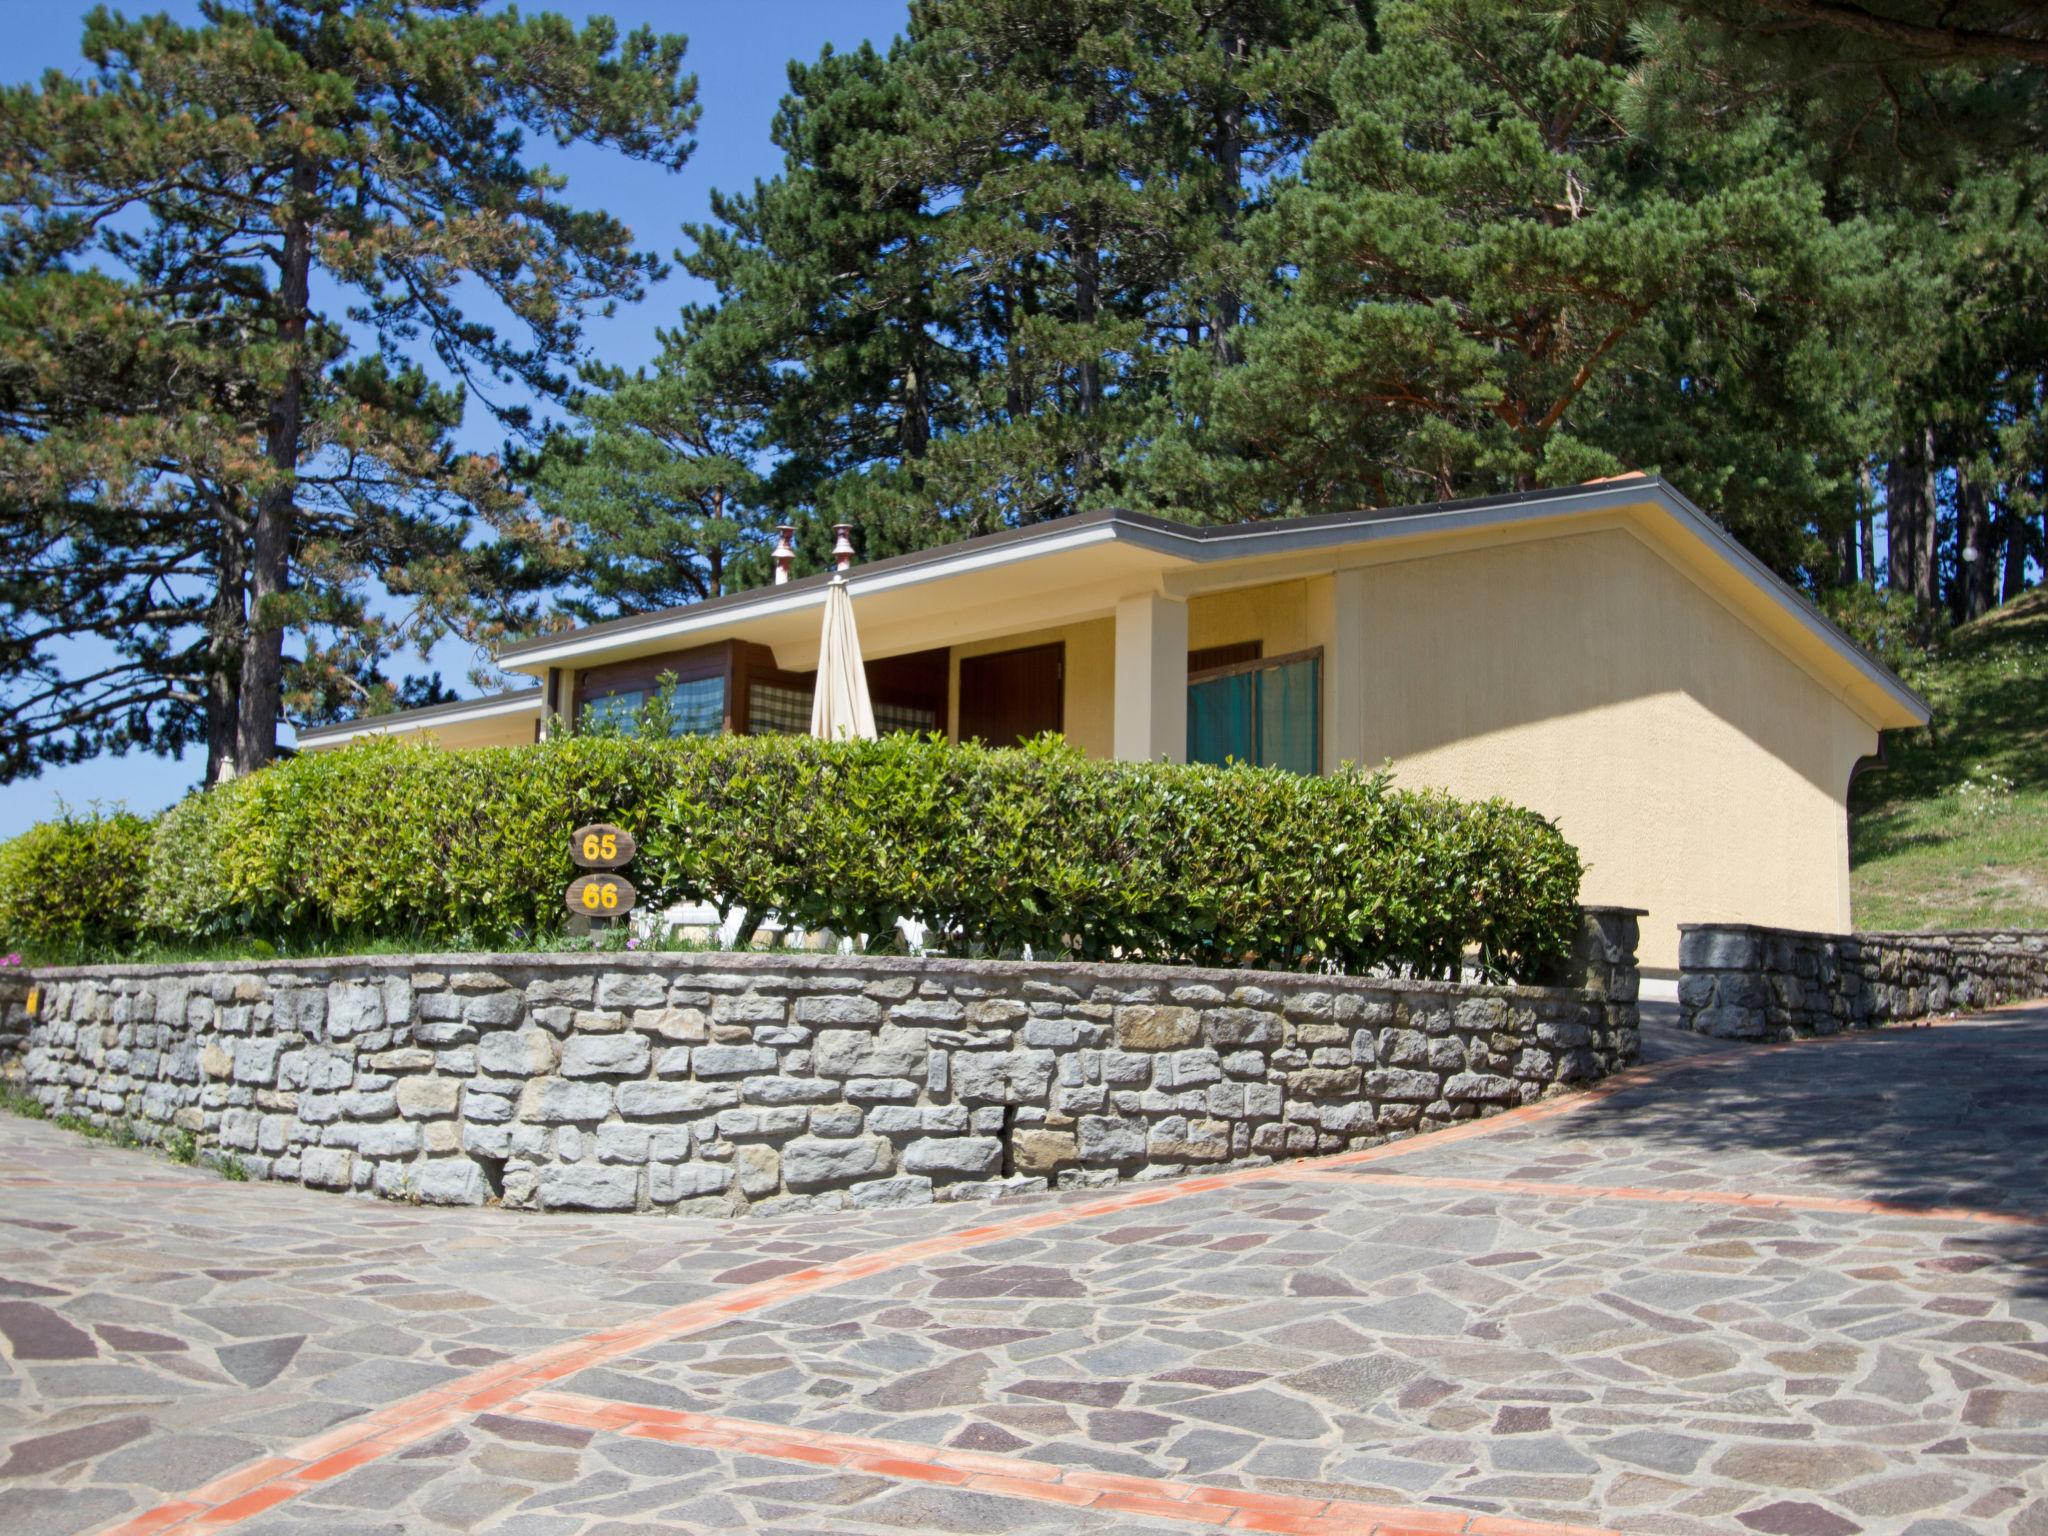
802, 960
1928, 935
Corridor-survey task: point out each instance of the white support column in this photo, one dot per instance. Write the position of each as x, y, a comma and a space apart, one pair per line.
1337, 621
1151, 679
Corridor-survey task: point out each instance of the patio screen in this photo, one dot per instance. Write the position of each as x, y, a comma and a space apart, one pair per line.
778, 711
1268, 714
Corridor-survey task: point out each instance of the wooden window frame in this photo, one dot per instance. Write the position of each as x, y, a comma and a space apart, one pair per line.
1259, 664
1210, 658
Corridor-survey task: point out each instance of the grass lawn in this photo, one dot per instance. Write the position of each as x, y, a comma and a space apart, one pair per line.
1952, 832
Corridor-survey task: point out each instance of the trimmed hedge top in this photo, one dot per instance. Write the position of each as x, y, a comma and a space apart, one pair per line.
991, 850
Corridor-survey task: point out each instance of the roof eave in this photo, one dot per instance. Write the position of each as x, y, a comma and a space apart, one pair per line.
1202, 544
457, 712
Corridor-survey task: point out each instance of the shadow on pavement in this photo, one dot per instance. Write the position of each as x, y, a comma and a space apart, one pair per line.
1950, 1116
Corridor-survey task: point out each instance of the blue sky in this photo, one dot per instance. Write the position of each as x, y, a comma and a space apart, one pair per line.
739, 53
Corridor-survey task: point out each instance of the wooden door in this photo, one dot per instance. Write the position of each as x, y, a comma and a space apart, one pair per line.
1011, 696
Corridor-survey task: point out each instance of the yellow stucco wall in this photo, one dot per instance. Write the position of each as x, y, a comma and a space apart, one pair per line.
1090, 699
1701, 773
1276, 615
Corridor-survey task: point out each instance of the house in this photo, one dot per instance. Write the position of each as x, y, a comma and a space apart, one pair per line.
1602, 653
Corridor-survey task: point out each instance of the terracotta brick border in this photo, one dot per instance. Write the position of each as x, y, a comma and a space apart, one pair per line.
1043, 1481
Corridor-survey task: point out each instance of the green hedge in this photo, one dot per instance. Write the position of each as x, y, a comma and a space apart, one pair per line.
73, 886
993, 850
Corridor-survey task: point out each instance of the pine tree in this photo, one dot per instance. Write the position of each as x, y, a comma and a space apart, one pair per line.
833, 309
295, 204
1486, 280
660, 497
988, 244
1930, 120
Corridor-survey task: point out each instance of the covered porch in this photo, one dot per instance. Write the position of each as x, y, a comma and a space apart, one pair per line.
1251, 673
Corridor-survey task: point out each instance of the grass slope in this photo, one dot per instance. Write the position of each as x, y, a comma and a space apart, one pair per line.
1952, 832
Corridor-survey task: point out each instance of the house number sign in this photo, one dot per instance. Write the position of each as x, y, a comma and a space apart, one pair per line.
601, 848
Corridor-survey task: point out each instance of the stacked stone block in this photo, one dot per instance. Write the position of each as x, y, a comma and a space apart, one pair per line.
727, 1082
14, 989
1742, 982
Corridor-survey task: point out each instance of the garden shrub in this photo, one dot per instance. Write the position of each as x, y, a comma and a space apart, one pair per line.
73, 885
994, 851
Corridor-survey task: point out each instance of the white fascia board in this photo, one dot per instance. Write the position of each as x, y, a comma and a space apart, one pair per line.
1287, 536
573, 646
525, 703
1004, 554
695, 621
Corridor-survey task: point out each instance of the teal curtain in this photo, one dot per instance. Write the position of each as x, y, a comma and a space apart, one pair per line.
1290, 717
1271, 717
1220, 727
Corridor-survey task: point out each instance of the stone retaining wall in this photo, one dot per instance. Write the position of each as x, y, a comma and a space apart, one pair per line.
725, 1081
1742, 982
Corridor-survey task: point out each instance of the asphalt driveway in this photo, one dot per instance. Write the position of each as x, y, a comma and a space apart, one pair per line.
1800, 1291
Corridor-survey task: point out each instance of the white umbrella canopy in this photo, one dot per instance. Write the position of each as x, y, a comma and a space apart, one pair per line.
840, 710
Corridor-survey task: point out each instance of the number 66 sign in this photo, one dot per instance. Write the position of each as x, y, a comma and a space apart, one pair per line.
602, 847
601, 896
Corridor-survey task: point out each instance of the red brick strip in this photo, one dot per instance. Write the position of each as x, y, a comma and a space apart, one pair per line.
231, 1499
1754, 1200
1040, 1481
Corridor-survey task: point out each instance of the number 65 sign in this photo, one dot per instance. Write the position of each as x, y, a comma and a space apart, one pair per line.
601, 847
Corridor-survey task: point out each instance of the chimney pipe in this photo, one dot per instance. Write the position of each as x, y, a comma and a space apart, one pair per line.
785, 552
842, 551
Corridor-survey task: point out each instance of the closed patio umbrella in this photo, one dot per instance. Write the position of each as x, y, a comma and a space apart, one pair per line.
840, 709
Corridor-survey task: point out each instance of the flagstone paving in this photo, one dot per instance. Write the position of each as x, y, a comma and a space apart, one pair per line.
1588, 1315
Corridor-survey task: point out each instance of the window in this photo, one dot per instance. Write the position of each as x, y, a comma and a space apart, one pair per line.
697, 708
1266, 713
619, 709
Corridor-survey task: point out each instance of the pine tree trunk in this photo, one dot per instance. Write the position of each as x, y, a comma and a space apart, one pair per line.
1969, 597
1088, 381
1866, 526
916, 436
2015, 556
1909, 520
1013, 363
1227, 149
226, 634
262, 700
1927, 555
